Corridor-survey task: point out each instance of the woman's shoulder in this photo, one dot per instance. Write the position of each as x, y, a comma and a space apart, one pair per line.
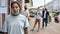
8, 16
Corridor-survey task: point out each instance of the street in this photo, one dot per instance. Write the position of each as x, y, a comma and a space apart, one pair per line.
29, 8
53, 28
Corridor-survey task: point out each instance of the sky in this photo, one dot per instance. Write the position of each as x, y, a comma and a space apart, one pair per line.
37, 3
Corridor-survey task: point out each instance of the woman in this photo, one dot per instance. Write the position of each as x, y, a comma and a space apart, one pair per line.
15, 23
38, 20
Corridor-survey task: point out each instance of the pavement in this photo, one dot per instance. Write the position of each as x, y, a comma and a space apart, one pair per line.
53, 28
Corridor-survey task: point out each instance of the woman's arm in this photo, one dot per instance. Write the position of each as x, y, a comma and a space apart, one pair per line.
26, 25
5, 33
26, 30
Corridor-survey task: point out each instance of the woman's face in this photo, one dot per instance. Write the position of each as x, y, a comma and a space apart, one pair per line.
15, 7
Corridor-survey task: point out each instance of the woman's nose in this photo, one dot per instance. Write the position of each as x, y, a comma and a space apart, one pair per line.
14, 8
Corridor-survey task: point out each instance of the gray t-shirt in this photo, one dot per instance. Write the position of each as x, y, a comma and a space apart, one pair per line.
15, 24
38, 15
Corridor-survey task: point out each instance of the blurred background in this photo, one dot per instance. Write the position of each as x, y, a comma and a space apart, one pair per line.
53, 6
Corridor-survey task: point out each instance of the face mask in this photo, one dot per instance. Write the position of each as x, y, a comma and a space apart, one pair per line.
15, 13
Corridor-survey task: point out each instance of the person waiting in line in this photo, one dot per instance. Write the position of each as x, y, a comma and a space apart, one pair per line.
38, 20
16, 23
45, 15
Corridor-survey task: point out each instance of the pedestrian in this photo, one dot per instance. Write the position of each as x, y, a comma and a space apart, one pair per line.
56, 18
45, 15
26, 12
15, 23
38, 20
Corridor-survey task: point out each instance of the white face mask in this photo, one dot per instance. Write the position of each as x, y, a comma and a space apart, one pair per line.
15, 13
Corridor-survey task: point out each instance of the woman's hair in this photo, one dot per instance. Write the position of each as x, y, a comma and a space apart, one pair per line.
16, 3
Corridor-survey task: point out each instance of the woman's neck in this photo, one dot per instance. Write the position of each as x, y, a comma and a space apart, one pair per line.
14, 15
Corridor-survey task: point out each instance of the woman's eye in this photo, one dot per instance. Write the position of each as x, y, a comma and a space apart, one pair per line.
15, 7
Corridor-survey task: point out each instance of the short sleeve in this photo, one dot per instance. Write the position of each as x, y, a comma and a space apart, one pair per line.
5, 26
26, 24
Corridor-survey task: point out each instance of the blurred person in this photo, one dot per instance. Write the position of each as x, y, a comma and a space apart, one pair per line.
57, 13
37, 20
45, 15
56, 18
16, 23
25, 12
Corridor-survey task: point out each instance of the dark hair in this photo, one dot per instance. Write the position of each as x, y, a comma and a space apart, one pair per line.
45, 8
16, 3
25, 7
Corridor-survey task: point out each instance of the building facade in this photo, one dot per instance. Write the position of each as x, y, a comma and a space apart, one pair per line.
53, 5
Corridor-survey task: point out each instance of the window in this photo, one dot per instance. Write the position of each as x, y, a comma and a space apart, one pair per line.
26, 1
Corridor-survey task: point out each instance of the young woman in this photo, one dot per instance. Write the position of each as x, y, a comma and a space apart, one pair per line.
38, 20
15, 23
